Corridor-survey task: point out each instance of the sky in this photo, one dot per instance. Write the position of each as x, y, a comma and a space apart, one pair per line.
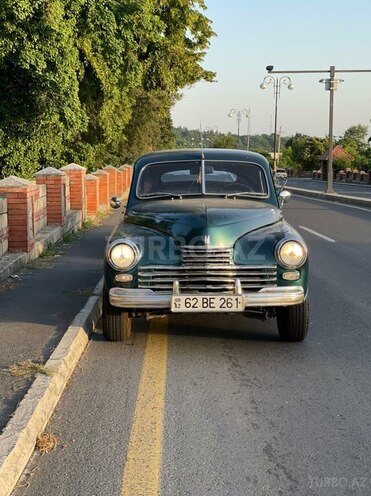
290, 35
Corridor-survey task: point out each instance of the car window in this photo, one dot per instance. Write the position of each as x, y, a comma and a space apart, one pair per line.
162, 179
235, 177
185, 178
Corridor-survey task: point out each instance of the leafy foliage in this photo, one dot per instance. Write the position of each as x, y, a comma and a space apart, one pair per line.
355, 138
342, 163
298, 152
191, 138
93, 81
39, 102
306, 151
355, 142
224, 141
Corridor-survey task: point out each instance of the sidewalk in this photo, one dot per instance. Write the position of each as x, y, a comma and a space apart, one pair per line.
38, 303
334, 197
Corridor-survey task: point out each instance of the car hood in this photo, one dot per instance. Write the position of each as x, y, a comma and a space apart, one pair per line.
190, 220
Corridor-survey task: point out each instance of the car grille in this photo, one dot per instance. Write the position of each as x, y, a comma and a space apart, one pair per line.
206, 268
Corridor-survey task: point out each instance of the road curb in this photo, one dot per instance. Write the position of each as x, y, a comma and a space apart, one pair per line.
334, 197
17, 442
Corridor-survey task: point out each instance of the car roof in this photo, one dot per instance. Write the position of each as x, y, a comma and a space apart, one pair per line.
198, 154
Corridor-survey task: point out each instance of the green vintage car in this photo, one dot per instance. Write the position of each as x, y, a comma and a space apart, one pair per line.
203, 231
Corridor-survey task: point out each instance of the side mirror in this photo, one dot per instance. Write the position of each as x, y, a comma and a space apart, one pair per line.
284, 196
115, 202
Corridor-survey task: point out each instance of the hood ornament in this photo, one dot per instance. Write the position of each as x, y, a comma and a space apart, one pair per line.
207, 240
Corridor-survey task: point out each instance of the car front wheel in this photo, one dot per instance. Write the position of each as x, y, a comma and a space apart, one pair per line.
292, 322
116, 323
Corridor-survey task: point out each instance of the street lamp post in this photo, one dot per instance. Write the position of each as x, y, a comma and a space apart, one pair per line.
331, 86
277, 83
239, 114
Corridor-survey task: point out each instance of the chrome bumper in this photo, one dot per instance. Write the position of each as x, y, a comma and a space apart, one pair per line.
148, 299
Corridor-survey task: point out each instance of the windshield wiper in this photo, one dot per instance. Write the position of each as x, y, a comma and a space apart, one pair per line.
160, 194
246, 193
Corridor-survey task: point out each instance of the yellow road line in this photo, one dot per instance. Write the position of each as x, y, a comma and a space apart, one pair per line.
143, 462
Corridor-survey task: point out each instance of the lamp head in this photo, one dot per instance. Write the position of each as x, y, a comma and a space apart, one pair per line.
263, 86
291, 86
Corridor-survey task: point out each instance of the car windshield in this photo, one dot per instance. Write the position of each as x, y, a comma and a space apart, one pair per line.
187, 178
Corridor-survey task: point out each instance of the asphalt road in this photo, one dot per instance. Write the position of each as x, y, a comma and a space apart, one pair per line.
38, 303
239, 413
348, 189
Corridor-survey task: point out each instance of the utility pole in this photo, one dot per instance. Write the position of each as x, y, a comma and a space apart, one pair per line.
331, 86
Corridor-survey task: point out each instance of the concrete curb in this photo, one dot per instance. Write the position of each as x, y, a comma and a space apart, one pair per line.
17, 442
350, 200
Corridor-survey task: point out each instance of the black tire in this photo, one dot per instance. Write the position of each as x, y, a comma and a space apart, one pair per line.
116, 324
293, 321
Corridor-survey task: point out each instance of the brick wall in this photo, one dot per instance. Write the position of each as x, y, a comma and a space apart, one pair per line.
4, 233
103, 188
77, 187
58, 194
38, 195
126, 176
27, 208
20, 194
112, 189
92, 195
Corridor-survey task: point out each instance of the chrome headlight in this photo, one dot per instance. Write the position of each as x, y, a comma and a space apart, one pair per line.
122, 254
291, 254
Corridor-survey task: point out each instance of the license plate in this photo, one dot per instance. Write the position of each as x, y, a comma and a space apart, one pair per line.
207, 303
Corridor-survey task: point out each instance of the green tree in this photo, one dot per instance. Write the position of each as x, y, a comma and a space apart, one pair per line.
306, 151
354, 142
342, 163
355, 137
265, 154
180, 45
287, 160
40, 108
225, 141
93, 81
